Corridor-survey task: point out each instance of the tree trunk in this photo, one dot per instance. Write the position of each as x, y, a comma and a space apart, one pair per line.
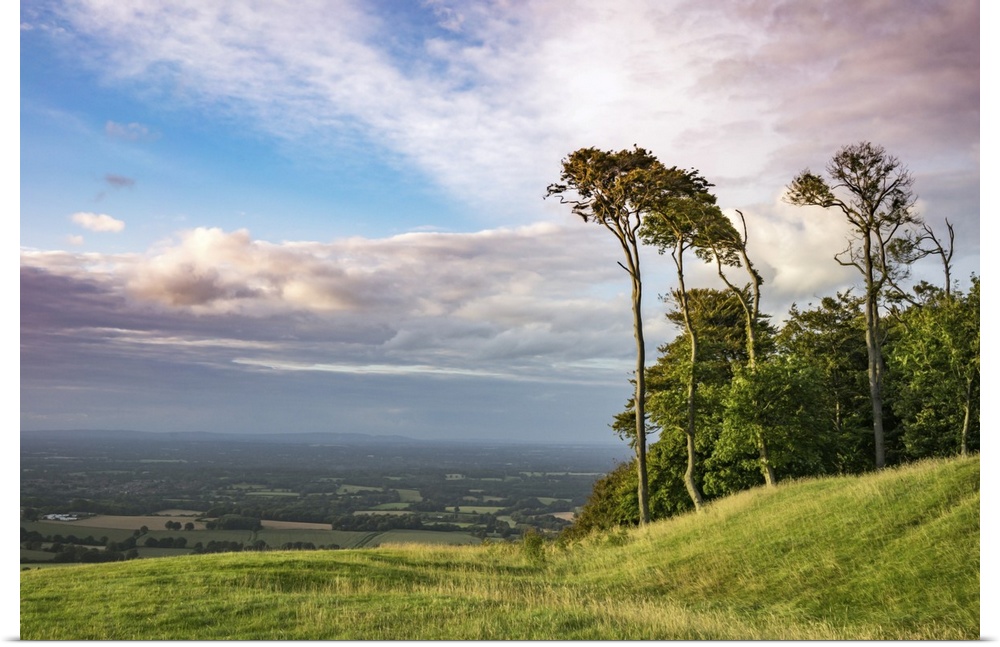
640, 400
968, 414
765, 463
876, 365
689, 483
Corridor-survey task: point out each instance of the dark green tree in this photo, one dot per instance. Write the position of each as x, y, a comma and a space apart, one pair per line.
935, 373
774, 405
829, 337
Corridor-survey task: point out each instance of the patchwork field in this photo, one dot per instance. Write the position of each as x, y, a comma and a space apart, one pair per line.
298, 493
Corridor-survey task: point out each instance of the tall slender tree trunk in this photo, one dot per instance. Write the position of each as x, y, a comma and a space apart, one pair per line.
876, 363
751, 313
640, 400
689, 482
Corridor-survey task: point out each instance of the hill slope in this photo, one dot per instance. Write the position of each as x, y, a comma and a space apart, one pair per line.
893, 555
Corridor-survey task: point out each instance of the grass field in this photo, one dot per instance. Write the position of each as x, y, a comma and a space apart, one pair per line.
274, 533
293, 525
409, 496
392, 506
115, 522
342, 538
887, 556
354, 489
479, 509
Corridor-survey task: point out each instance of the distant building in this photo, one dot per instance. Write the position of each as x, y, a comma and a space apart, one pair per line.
61, 517
454, 477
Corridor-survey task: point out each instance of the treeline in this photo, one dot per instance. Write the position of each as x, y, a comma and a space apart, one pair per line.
73, 549
386, 522
869, 377
234, 522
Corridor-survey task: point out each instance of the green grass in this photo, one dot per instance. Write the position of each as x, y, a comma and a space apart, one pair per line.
343, 538
892, 555
479, 509
50, 528
409, 496
392, 506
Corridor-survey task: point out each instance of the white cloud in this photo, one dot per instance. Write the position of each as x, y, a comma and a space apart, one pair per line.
519, 299
133, 132
489, 100
100, 222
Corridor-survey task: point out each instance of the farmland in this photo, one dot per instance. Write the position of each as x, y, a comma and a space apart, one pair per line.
100, 495
891, 555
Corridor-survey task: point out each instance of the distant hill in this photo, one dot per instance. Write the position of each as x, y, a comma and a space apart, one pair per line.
884, 556
310, 438
291, 437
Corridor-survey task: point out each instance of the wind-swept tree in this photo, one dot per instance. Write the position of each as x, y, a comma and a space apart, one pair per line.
729, 248
682, 223
873, 191
617, 190
717, 318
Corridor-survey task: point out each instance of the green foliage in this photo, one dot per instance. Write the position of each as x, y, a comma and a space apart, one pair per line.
234, 522
533, 546
613, 502
612, 187
934, 371
719, 318
777, 403
892, 555
830, 338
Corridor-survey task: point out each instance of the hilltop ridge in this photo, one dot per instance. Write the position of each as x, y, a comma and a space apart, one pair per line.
888, 555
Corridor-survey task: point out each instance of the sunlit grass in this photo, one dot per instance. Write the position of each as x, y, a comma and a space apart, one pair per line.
893, 555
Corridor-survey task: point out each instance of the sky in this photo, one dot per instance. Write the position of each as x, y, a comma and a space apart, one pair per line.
329, 216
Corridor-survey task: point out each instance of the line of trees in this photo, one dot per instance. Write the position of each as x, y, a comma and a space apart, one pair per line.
853, 383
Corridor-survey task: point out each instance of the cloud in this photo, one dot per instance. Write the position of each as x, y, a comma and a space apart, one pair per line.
408, 370
486, 99
133, 132
519, 299
119, 181
100, 222
482, 100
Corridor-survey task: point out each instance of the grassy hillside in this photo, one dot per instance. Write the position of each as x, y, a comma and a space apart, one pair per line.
893, 555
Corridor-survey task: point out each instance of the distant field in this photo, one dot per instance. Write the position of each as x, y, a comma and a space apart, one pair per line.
145, 552
204, 536
293, 525
119, 522
344, 538
37, 555
354, 489
479, 509
393, 506
410, 496
49, 528
423, 537
890, 555
179, 513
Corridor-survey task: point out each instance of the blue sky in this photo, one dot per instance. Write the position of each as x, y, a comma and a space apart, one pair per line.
314, 216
